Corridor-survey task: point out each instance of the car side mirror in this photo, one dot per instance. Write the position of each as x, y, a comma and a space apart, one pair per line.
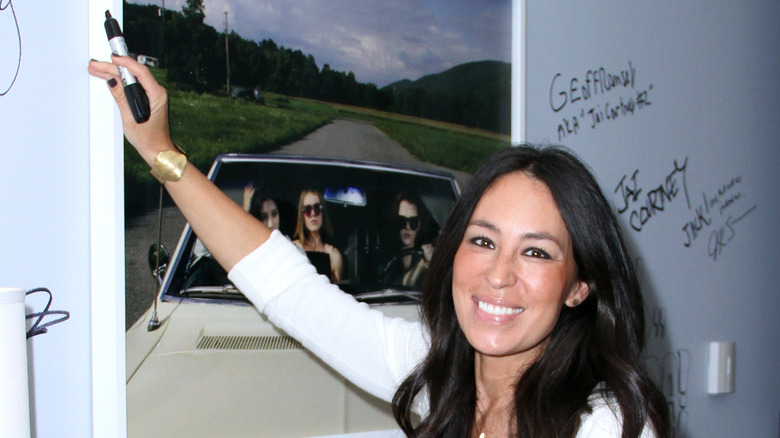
158, 260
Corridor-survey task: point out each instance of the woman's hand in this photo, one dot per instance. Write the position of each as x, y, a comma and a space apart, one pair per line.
229, 232
427, 254
152, 136
249, 191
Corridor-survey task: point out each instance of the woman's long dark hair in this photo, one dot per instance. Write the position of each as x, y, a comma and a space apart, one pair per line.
601, 340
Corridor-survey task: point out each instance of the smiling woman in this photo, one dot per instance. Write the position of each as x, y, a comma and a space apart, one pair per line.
532, 319
513, 273
534, 311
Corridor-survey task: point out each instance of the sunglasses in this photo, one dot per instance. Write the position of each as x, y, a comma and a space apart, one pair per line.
313, 210
411, 222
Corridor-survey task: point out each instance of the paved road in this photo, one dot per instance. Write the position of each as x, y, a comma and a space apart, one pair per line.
344, 138
349, 138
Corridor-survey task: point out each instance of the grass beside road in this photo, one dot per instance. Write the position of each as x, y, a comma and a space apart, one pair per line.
452, 149
206, 125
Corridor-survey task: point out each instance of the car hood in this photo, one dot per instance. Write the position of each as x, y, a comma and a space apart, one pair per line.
224, 370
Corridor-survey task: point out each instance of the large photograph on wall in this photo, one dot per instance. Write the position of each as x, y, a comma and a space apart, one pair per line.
349, 126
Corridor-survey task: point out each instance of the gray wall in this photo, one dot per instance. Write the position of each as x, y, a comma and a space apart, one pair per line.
694, 139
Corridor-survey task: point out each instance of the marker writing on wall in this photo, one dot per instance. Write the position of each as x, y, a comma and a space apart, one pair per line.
136, 96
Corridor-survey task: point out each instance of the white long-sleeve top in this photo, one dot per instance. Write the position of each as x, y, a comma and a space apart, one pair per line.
372, 350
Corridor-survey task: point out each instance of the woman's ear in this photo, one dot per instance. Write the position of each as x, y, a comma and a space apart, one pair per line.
578, 293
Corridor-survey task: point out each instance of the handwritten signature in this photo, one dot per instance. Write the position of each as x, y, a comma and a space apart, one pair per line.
38, 326
10, 47
596, 82
720, 238
708, 217
655, 201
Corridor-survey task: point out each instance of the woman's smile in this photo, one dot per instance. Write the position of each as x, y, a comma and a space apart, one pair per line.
496, 310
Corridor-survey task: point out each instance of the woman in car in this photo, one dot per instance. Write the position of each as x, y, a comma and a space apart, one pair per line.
410, 261
262, 206
204, 270
533, 321
313, 232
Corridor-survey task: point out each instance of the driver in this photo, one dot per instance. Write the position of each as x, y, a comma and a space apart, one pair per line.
407, 268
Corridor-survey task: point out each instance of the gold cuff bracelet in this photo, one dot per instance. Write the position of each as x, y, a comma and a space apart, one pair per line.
168, 166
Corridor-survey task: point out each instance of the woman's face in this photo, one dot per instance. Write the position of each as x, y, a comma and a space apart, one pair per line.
312, 212
514, 270
408, 222
269, 214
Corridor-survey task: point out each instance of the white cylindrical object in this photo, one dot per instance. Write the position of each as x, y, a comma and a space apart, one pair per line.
720, 373
14, 387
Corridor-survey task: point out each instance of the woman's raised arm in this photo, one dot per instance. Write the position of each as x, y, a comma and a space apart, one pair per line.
226, 229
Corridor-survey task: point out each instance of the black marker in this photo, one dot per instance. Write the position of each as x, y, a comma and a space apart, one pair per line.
136, 96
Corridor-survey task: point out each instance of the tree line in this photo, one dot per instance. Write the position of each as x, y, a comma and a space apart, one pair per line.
193, 54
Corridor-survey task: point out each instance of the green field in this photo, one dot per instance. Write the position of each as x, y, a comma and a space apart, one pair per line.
205, 126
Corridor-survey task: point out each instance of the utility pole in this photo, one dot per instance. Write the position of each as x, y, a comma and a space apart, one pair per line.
227, 55
163, 58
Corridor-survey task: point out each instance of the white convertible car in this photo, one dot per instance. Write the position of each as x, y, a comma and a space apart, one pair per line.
206, 363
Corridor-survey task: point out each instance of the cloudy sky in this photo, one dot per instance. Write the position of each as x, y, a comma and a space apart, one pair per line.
381, 41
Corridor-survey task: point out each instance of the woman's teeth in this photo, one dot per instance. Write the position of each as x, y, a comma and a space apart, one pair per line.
498, 310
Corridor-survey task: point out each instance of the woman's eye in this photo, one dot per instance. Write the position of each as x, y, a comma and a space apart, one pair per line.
483, 242
536, 252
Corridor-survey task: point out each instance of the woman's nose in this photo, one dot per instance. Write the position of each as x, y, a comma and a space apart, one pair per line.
502, 272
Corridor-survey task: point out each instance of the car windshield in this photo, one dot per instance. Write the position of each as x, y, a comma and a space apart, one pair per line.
382, 220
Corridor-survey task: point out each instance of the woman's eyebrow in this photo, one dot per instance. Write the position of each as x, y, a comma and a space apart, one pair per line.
484, 224
543, 236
